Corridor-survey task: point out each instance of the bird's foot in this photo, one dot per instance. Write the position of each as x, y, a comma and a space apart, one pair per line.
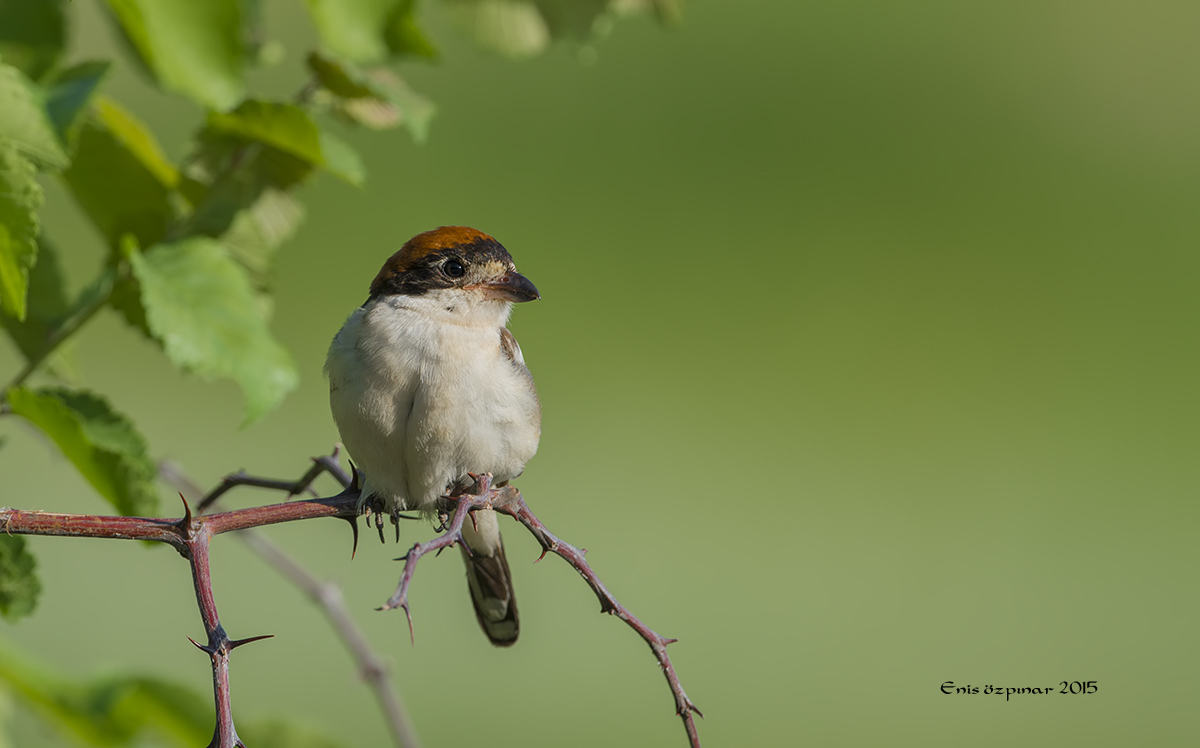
376, 510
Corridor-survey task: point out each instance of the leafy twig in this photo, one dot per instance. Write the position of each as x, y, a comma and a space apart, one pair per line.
90, 301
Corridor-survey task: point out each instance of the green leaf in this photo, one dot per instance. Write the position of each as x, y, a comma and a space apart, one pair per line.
117, 710
32, 34
68, 95
132, 710
275, 734
404, 36
121, 178
103, 444
20, 199
247, 206
193, 48
341, 160
514, 28
368, 31
260, 230
201, 307
19, 586
48, 304
572, 18
23, 119
378, 99
523, 28
240, 194
290, 129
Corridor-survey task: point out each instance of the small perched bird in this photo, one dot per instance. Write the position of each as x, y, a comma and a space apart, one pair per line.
427, 384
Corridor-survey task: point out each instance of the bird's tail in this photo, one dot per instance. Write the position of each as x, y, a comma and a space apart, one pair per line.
489, 580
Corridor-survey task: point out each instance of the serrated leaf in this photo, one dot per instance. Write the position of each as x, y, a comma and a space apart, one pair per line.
120, 176
369, 31
23, 120
20, 200
68, 95
19, 585
378, 99
32, 34
290, 129
193, 48
259, 231
201, 308
47, 303
101, 443
246, 207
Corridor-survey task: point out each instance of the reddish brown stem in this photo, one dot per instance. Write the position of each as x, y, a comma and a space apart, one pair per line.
513, 504
224, 733
326, 595
190, 536
453, 534
508, 500
22, 522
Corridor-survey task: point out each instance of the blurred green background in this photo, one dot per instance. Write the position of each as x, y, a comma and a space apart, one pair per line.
868, 359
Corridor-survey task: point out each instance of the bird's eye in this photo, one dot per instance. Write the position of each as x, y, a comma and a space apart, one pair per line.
453, 268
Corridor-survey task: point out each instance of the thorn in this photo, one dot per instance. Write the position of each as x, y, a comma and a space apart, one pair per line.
665, 642
239, 642
403, 558
354, 527
544, 552
474, 522
412, 635
185, 522
202, 647
695, 709
583, 551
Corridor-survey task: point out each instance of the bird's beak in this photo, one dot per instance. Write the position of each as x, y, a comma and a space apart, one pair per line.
511, 286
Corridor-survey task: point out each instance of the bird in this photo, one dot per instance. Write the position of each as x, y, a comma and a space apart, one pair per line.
427, 386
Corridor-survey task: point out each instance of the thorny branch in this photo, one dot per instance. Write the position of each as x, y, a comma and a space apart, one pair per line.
191, 534
327, 595
508, 500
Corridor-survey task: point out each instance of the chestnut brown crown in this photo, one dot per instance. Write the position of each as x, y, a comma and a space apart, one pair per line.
453, 257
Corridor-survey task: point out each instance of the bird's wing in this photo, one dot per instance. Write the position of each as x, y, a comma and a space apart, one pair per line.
508, 344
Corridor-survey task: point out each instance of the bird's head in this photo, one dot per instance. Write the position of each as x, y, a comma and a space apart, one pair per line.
453, 261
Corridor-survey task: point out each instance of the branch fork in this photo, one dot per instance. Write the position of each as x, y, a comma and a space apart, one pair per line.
508, 500
190, 536
452, 535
